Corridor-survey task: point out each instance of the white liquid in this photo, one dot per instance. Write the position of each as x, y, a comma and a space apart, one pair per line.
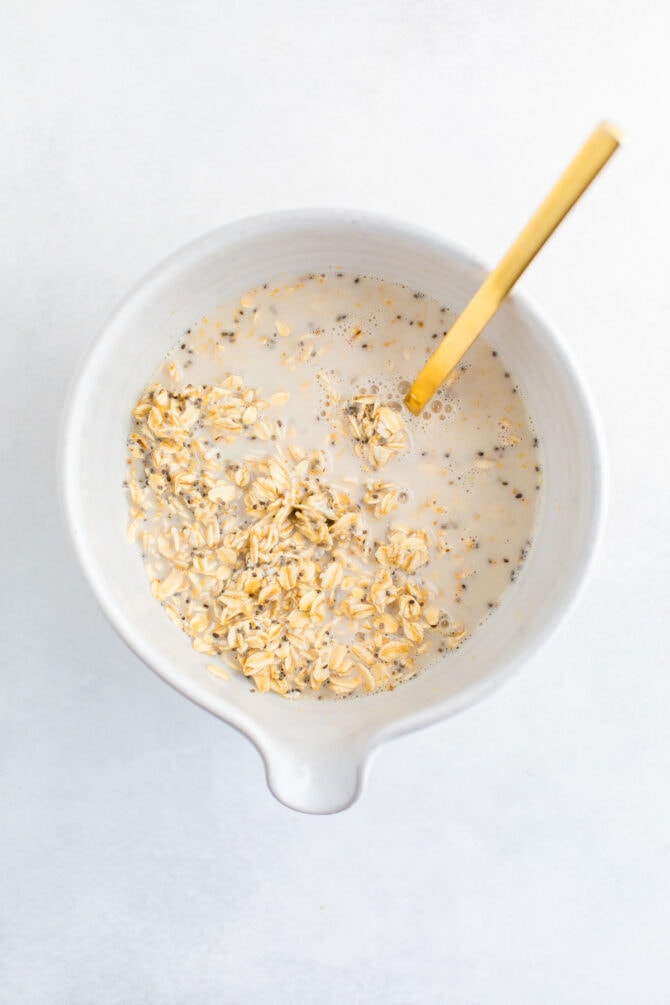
472, 473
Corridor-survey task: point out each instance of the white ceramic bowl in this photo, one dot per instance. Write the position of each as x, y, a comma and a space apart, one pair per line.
316, 753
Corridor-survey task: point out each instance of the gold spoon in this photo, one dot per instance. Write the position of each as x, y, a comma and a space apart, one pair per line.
577, 177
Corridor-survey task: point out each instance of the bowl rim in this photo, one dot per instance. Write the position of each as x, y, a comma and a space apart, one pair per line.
73, 509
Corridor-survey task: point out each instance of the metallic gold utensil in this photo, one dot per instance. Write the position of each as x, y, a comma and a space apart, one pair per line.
577, 177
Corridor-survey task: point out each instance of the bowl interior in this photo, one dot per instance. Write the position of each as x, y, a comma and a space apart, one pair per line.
313, 750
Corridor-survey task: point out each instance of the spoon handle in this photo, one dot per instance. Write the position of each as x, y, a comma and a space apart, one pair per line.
574, 181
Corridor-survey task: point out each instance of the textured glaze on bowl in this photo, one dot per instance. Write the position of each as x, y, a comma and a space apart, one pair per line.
316, 752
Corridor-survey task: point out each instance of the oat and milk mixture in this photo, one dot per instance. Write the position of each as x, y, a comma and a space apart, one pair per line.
296, 521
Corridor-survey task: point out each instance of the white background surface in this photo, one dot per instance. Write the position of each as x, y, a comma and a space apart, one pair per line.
518, 854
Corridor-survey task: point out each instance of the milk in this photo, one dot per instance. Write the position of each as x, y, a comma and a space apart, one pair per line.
472, 474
